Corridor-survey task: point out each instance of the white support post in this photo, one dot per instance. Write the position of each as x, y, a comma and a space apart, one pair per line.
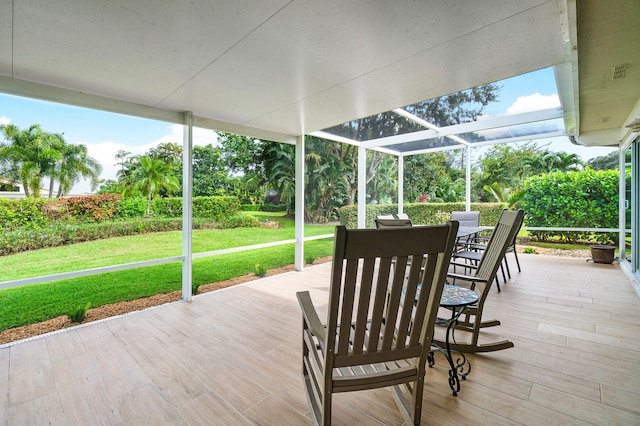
467, 186
299, 208
622, 217
400, 184
362, 187
187, 208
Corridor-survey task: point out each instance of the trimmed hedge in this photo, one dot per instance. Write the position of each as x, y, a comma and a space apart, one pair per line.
585, 199
420, 213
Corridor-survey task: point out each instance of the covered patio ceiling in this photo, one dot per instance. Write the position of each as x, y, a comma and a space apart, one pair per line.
277, 69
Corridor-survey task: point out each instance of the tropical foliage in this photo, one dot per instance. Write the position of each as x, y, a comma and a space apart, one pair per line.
32, 155
584, 199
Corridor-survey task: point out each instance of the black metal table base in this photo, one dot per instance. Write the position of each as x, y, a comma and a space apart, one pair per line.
460, 367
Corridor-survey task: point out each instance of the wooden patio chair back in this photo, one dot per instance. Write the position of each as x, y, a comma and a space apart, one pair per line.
384, 295
485, 273
502, 237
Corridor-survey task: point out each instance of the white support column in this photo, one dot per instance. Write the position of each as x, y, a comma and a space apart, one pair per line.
622, 217
362, 187
467, 185
400, 184
187, 208
299, 208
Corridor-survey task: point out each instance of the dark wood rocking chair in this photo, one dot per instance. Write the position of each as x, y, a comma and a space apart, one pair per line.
386, 286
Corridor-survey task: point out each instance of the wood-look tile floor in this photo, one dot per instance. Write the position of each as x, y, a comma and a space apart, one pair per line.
232, 357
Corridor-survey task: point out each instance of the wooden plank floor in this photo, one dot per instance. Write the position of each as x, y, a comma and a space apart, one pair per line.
233, 357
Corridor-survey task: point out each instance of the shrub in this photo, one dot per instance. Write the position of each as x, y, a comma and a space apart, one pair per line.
260, 270
420, 213
130, 207
273, 208
530, 250
167, 207
240, 222
215, 208
19, 213
586, 199
250, 207
89, 208
78, 313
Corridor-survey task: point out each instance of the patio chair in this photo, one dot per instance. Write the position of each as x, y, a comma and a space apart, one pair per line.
485, 273
469, 219
392, 223
473, 252
380, 316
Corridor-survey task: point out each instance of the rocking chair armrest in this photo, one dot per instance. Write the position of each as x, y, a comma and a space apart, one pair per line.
310, 315
463, 265
466, 277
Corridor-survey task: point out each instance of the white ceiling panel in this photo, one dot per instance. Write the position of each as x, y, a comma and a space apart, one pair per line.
283, 67
6, 36
139, 51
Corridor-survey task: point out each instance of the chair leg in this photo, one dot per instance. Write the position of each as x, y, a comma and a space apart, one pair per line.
515, 253
506, 264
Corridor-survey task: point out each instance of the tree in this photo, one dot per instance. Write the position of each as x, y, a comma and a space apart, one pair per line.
383, 187
565, 162
210, 176
169, 152
279, 163
427, 176
74, 165
148, 176
30, 154
607, 162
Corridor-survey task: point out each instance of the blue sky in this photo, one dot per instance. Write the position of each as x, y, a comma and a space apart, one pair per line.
105, 133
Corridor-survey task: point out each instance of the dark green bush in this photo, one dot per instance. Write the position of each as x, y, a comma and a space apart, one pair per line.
273, 208
19, 213
130, 207
239, 222
166, 207
420, 213
250, 207
215, 208
586, 199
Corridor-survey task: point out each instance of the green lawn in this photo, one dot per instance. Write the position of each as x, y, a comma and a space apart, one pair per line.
34, 303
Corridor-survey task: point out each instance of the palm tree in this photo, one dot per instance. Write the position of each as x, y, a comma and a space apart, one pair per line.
280, 167
32, 153
148, 176
76, 164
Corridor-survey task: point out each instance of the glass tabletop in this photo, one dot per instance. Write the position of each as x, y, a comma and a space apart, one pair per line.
452, 295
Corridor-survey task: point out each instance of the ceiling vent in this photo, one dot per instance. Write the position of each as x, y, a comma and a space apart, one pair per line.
634, 125
618, 72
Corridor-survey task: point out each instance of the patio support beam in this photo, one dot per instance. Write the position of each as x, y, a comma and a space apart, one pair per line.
362, 187
299, 208
400, 184
187, 210
467, 184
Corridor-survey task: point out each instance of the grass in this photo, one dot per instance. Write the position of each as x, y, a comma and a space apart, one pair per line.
135, 248
39, 302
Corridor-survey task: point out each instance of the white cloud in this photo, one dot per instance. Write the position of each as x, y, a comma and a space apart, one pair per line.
4, 120
533, 102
